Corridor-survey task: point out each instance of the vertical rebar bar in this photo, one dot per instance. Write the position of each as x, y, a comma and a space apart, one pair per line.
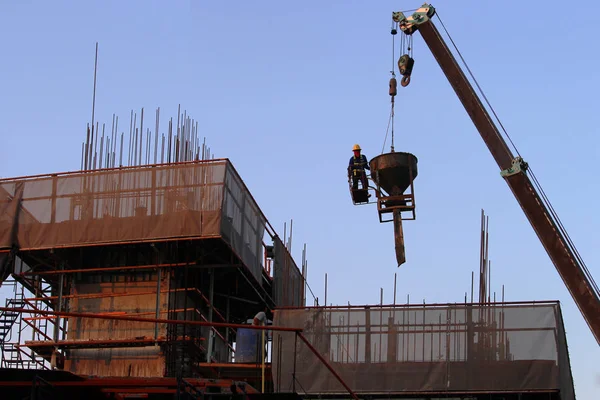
121, 150
472, 284
380, 323
134, 140
156, 136
141, 136
325, 289
395, 280
94, 94
87, 146
101, 149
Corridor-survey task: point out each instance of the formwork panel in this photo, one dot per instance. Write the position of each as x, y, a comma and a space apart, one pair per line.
146, 361
457, 348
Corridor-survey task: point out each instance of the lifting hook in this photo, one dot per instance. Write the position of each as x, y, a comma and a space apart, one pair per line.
405, 65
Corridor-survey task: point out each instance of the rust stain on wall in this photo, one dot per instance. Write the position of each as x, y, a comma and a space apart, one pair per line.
146, 361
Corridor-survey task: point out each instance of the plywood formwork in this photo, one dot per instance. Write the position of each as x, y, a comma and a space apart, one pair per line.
143, 361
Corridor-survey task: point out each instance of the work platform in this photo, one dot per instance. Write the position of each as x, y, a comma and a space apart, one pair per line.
51, 385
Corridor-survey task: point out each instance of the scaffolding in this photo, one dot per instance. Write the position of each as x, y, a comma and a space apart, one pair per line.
181, 242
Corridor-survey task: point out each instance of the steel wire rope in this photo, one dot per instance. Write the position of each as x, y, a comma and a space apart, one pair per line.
393, 72
386, 132
570, 245
393, 76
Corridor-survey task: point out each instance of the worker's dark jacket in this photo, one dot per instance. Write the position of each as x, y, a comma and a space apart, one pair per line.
358, 163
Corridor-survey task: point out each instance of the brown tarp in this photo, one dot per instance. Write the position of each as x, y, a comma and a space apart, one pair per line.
243, 224
426, 348
113, 206
288, 282
148, 203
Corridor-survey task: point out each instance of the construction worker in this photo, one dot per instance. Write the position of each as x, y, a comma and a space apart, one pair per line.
356, 168
260, 319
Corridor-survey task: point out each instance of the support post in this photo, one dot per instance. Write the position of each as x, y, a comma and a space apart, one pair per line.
227, 329
263, 354
54, 357
211, 293
61, 281
294, 370
158, 278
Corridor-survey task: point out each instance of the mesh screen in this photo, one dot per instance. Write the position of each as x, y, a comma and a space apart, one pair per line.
288, 283
200, 199
112, 206
426, 348
243, 224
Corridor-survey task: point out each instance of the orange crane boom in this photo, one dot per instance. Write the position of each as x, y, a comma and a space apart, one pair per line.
545, 223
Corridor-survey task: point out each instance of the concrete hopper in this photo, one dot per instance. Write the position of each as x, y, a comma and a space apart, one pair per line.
394, 172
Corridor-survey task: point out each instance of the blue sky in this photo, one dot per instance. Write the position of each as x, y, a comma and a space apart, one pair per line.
284, 90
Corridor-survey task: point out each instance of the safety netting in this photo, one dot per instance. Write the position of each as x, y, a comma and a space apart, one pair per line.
288, 282
451, 348
148, 203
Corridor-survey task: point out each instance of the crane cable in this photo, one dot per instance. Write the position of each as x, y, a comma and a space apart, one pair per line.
535, 182
393, 76
393, 72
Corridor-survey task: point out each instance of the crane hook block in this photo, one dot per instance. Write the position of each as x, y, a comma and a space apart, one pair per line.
405, 65
393, 87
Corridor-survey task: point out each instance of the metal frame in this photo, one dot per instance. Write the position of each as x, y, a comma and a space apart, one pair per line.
296, 331
409, 200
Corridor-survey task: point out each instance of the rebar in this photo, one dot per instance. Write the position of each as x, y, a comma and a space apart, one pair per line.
177, 145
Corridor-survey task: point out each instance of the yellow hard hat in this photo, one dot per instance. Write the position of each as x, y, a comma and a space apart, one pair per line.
356, 147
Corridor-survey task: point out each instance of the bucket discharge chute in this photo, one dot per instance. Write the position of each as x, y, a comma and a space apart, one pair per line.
393, 175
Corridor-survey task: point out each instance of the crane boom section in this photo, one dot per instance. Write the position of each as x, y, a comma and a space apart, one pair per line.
542, 221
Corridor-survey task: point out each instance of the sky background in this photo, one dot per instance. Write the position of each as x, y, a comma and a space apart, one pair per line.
285, 89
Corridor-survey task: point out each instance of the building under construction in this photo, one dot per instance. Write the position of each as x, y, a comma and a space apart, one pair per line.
140, 280
140, 275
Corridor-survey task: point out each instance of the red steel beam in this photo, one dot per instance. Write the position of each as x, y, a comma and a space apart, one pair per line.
120, 383
105, 170
100, 342
427, 306
151, 320
121, 242
105, 269
104, 295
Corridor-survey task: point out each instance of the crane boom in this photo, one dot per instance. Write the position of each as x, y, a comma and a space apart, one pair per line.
513, 169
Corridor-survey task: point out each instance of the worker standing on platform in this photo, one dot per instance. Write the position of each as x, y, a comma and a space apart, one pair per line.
356, 168
260, 319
